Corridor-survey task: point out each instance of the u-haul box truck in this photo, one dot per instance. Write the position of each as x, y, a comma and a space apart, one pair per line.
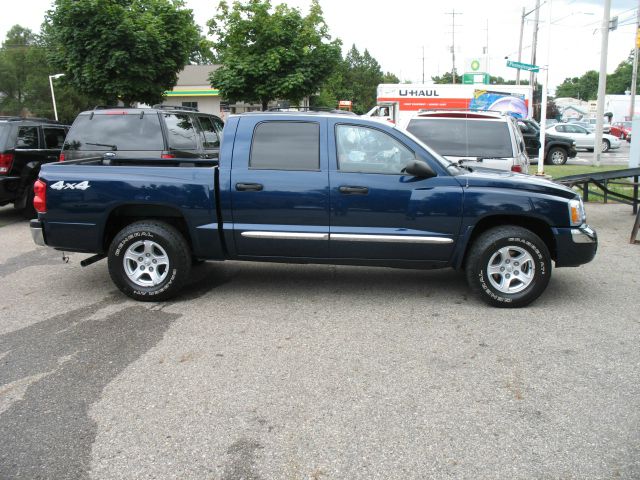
399, 102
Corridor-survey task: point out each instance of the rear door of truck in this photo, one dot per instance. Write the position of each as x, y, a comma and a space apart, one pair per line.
280, 187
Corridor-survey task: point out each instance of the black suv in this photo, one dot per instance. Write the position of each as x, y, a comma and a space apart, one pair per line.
25, 144
557, 149
162, 131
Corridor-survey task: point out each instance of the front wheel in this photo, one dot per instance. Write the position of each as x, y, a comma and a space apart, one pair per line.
508, 266
149, 261
557, 156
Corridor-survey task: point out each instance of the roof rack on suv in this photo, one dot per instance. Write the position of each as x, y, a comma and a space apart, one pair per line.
174, 107
459, 109
11, 118
107, 107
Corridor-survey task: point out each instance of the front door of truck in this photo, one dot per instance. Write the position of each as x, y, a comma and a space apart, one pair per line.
380, 213
280, 188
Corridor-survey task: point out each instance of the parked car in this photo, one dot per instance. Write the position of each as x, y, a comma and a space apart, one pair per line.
313, 188
488, 139
621, 130
590, 124
583, 137
25, 145
557, 149
162, 131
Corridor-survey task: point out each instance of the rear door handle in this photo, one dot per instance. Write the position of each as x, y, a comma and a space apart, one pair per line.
249, 187
353, 190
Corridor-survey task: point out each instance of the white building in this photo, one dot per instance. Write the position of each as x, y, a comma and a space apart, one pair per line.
193, 89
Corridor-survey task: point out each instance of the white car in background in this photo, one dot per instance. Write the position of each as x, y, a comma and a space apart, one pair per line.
584, 138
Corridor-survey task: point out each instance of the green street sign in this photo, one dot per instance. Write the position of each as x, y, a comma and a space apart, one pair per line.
523, 66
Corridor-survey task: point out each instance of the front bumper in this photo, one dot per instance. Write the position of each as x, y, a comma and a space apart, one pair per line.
575, 246
37, 232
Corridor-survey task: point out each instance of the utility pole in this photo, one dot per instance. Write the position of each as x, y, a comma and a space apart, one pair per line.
520, 47
453, 14
602, 82
545, 92
486, 49
534, 45
634, 75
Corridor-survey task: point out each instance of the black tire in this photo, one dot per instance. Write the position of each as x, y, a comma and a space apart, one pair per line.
535, 270
557, 156
167, 255
605, 145
29, 210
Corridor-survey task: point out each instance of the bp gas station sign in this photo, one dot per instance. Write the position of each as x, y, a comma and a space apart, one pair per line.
475, 71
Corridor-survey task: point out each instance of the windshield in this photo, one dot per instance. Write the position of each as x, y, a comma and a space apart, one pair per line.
461, 137
443, 161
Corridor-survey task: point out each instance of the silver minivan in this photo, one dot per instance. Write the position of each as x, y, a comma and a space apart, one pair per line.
482, 138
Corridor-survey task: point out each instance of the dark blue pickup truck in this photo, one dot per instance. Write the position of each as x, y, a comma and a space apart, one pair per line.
312, 188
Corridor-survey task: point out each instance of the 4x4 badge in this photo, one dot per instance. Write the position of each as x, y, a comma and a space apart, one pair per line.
70, 186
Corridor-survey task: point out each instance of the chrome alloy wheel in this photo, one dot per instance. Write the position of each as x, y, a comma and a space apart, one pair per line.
511, 269
146, 263
557, 157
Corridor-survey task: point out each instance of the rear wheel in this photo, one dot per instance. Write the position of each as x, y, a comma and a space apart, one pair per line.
149, 261
605, 145
557, 156
508, 266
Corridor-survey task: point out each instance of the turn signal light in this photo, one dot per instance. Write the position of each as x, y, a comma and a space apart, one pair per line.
40, 196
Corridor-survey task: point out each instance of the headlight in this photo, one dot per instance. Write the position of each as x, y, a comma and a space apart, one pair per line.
576, 212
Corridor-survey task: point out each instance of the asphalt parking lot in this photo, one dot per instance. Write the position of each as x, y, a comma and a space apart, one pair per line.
267, 371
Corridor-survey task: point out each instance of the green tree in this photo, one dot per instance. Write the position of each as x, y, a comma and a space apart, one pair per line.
18, 63
355, 78
389, 77
271, 53
130, 50
446, 77
582, 88
24, 80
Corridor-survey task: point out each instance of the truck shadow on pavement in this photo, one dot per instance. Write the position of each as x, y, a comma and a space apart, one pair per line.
53, 371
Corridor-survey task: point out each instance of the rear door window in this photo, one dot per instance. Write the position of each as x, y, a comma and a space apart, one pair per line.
461, 137
182, 133
134, 131
209, 132
27, 138
53, 138
286, 146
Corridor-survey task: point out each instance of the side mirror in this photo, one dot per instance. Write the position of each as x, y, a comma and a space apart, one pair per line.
419, 169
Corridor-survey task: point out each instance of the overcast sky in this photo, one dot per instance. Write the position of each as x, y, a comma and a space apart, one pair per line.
395, 32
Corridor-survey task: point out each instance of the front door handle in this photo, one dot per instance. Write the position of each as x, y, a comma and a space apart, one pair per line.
353, 190
249, 187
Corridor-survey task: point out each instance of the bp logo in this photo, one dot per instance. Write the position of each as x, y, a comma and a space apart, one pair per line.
475, 65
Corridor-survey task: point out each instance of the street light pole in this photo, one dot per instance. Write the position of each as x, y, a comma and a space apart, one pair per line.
545, 87
634, 74
520, 47
53, 97
602, 83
